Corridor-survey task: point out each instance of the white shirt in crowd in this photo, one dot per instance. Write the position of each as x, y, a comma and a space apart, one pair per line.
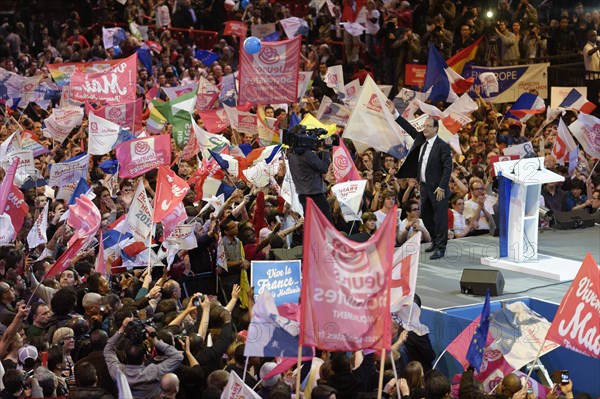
471, 207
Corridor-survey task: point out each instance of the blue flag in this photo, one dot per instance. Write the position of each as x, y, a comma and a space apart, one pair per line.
145, 57
294, 120
224, 164
81, 189
109, 167
475, 352
207, 57
273, 37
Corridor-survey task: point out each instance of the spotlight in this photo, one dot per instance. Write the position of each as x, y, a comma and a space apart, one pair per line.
489, 14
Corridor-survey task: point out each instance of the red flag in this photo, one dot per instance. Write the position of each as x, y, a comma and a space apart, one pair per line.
344, 168
346, 293
271, 75
84, 217
65, 259
170, 190
575, 325
151, 94
16, 208
235, 28
100, 265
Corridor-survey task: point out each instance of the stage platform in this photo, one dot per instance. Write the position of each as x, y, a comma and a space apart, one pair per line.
438, 282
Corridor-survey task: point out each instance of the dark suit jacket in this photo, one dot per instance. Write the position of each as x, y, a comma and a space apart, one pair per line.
439, 164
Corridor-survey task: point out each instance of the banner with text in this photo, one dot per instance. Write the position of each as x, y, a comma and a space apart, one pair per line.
514, 81
281, 278
271, 75
114, 86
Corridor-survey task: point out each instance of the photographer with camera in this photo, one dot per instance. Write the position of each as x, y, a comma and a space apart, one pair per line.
309, 160
143, 380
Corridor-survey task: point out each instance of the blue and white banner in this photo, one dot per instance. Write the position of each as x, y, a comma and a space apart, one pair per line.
514, 81
281, 278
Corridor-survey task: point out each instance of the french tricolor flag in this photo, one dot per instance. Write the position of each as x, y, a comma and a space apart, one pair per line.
525, 107
574, 100
445, 84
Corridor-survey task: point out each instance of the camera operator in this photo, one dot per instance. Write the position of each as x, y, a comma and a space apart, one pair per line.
440, 37
307, 167
144, 381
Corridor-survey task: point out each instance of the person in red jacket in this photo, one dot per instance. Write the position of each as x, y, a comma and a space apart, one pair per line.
350, 11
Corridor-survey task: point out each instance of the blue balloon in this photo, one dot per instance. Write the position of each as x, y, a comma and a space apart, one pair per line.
252, 45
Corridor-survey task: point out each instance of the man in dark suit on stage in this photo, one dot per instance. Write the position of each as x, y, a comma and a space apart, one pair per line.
429, 160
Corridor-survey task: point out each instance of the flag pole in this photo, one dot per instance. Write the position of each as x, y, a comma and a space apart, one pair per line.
298, 371
440, 357
245, 369
535, 361
381, 370
395, 374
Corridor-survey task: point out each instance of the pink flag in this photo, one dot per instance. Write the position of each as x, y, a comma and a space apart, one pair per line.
460, 345
7, 184
84, 217
172, 219
575, 325
344, 168
114, 86
170, 190
214, 120
271, 75
207, 94
141, 155
346, 286
100, 265
127, 115
65, 259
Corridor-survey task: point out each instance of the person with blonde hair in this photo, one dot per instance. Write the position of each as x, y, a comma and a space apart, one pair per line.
64, 338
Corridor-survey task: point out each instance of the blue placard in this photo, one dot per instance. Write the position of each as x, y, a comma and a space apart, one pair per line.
281, 278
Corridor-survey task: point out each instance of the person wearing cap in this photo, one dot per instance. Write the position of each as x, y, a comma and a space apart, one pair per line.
28, 355
268, 383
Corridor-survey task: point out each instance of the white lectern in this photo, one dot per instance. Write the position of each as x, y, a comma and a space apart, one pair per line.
528, 175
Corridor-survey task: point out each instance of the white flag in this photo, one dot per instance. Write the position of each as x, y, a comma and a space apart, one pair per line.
11, 144
330, 112
563, 143
352, 89
182, 237
288, 191
303, 82
67, 172
139, 216
349, 195
334, 78
372, 125
586, 130
244, 122
37, 234
236, 388
7, 230
123, 385
404, 273
103, 134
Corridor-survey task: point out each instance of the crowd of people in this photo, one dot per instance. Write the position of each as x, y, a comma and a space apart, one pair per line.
75, 335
